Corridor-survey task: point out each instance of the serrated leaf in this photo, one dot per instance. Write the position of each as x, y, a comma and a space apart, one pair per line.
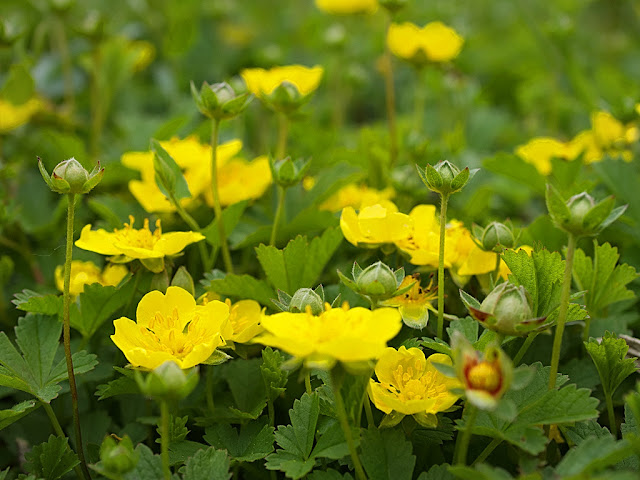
30, 301
149, 466
168, 175
230, 218
248, 393
480, 472
209, 464
540, 274
274, 376
52, 459
331, 443
592, 455
15, 413
467, 326
386, 455
609, 358
178, 430
97, 304
582, 431
243, 287
251, 442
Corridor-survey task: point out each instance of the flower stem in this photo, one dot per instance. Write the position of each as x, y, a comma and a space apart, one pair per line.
525, 346
390, 101
66, 327
367, 411
278, 216
336, 383
444, 199
612, 415
587, 327
58, 429
562, 315
226, 256
97, 106
164, 438
193, 225
419, 101
307, 382
487, 451
462, 442
283, 132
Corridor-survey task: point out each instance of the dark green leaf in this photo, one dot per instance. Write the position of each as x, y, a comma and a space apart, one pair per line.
97, 304
15, 413
609, 358
387, 455
274, 376
52, 459
149, 466
592, 455
33, 302
209, 464
251, 442
243, 287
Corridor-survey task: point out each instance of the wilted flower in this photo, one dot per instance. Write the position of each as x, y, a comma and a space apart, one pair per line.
347, 7
12, 116
351, 336
375, 225
435, 42
409, 384
357, 197
171, 327
86, 273
415, 303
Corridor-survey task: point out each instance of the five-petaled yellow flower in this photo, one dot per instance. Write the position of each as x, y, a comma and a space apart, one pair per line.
171, 327
244, 321
86, 273
130, 243
263, 82
409, 384
351, 336
375, 225
347, 7
435, 42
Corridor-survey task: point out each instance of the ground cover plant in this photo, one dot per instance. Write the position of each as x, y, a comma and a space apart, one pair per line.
355, 239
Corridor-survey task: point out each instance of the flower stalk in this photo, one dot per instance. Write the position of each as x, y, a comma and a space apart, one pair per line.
226, 256
164, 438
278, 216
283, 133
59, 432
462, 442
444, 199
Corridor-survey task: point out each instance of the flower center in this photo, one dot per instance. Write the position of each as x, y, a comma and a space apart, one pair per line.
484, 376
164, 334
410, 385
142, 238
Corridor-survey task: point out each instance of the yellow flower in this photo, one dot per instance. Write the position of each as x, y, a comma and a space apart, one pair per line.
351, 336
171, 327
86, 273
415, 304
12, 116
539, 152
375, 225
240, 180
132, 243
262, 82
435, 42
409, 384
244, 320
144, 53
356, 196
346, 7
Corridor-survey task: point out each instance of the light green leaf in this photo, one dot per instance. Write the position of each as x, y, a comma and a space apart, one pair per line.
582, 431
592, 455
18, 86
251, 442
243, 287
124, 385
15, 413
209, 464
52, 459
149, 466
514, 167
467, 326
274, 376
480, 472
169, 177
609, 358
387, 455
33, 302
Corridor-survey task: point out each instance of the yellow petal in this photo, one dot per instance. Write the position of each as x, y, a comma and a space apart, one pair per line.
174, 242
99, 241
176, 299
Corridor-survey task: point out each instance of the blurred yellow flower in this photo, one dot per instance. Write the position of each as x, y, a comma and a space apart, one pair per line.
262, 82
244, 321
144, 52
86, 273
347, 7
415, 304
132, 243
239, 180
351, 336
356, 196
435, 42
171, 327
375, 225
409, 384
539, 152
12, 116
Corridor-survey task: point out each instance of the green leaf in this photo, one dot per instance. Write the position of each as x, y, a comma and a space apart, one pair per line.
209, 464
149, 466
540, 274
514, 167
609, 358
558, 209
604, 281
328, 474
300, 263
480, 472
387, 455
467, 326
243, 287
169, 177
52, 459
97, 304
15, 413
251, 442
230, 218
274, 376
33, 371
582, 431
178, 430
33, 302
248, 393
592, 455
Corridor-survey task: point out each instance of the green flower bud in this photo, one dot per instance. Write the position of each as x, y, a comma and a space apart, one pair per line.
286, 98
496, 237
376, 282
445, 178
168, 381
306, 297
287, 172
70, 176
117, 455
219, 101
183, 279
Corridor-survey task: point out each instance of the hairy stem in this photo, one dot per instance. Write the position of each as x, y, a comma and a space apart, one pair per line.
444, 199
462, 442
226, 256
307, 382
564, 307
278, 217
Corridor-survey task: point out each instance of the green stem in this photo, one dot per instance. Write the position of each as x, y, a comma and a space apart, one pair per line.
462, 442
419, 101
336, 383
390, 101
59, 432
193, 225
587, 327
612, 415
487, 451
367, 411
283, 132
496, 270
209, 389
562, 314
66, 327
278, 216
444, 199
307, 382
164, 438
97, 103
525, 346
226, 256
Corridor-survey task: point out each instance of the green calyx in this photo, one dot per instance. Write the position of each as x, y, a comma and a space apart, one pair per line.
70, 176
496, 237
168, 381
444, 177
288, 172
219, 101
376, 282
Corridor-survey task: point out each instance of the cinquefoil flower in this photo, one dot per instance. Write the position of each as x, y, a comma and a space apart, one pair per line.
351, 336
409, 384
435, 42
244, 321
171, 327
375, 225
12, 116
86, 273
347, 7
263, 83
356, 196
539, 152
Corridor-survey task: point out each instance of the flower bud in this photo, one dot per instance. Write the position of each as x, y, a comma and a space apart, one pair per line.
444, 178
168, 381
496, 237
117, 455
183, 279
287, 172
376, 282
219, 101
70, 176
306, 297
